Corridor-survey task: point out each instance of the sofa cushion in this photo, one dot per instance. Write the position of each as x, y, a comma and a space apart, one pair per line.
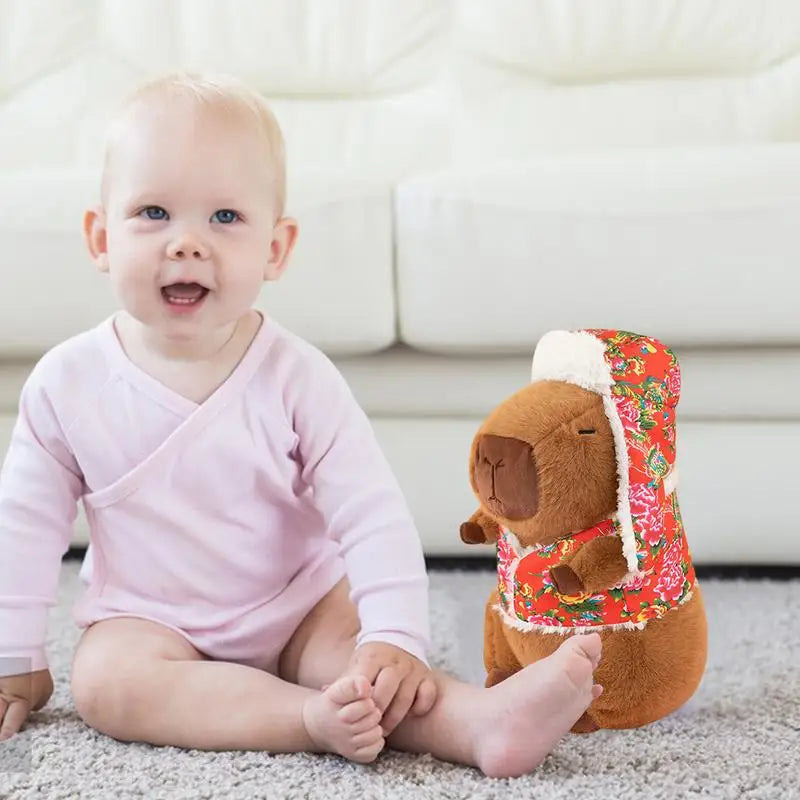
344, 254
315, 47
353, 84
694, 246
609, 38
534, 76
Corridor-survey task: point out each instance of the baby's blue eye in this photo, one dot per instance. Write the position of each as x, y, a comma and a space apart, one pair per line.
225, 216
154, 212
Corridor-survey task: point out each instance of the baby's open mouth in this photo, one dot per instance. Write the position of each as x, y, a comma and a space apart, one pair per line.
184, 294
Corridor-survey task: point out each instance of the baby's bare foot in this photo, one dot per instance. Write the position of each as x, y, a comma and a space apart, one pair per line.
344, 719
523, 718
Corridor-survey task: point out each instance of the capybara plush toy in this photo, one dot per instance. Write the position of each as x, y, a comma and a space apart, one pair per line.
576, 478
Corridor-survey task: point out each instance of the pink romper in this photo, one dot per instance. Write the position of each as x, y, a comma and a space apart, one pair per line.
226, 521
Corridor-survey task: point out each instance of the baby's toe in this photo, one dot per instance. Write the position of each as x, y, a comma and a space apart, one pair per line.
348, 690
586, 645
366, 747
592, 646
573, 659
353, 712
369, 723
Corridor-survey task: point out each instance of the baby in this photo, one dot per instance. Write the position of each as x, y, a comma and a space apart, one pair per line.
254, 578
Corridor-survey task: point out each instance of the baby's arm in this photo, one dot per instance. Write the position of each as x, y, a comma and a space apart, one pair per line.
365, 511
40, 484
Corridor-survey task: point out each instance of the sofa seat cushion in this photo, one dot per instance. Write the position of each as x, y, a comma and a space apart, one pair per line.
718, 385
735, 385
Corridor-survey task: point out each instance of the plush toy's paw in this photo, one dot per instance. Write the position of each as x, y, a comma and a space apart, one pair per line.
585, 725
566, 580
472, 533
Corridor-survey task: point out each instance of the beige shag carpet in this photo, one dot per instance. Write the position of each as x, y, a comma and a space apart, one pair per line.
739, 737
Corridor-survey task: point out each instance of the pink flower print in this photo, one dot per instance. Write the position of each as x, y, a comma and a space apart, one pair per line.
541, 619
505, 553
505, 557
648, 513
636, 583
670, 581
628, 411
674, 384
619, 364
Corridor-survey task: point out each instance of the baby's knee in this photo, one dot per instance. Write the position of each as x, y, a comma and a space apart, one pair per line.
109, 695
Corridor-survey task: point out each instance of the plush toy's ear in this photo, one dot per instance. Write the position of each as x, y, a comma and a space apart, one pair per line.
480, 528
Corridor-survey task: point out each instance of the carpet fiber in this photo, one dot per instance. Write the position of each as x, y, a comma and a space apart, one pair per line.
739, 737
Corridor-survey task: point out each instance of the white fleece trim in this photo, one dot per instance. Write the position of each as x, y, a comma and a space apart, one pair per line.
578, 357
671, 481
567, 630
519, 551
575, 357
623, 489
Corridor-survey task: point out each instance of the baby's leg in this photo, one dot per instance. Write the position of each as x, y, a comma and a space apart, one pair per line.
506, 730
321, 647
137, 680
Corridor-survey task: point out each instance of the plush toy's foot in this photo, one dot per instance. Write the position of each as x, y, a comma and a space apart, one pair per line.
585, 725
534, 708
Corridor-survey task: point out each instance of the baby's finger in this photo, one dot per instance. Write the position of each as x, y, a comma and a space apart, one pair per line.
399, 707
364, 664
386, 685
427, 693
13, 719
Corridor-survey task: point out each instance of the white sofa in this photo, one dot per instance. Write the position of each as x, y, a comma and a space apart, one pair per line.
468, 175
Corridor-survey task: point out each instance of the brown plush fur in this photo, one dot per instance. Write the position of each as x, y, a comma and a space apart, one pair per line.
564, 433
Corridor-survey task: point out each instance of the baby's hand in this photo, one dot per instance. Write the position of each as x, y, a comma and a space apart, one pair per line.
19, 695
401, 682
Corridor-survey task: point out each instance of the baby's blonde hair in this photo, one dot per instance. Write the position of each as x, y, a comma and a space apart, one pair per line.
214, 92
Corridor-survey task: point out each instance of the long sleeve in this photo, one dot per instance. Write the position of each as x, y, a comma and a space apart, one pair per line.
40, 484
364, 509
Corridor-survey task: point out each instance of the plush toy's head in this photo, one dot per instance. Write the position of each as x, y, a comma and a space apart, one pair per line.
592, 437
542, 463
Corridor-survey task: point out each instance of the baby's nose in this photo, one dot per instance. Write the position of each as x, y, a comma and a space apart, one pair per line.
187, 247
505, 476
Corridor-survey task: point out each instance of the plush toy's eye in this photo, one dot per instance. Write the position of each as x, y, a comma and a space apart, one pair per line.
587, 431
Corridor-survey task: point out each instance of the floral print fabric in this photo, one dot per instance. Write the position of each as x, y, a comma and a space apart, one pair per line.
645, 392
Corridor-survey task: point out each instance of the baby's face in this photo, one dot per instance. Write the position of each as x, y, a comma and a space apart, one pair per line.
190, 217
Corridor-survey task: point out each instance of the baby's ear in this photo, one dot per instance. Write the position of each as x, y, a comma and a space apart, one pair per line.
94, 234
284, 236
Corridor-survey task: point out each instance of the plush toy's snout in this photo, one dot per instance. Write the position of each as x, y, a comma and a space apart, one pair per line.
505, 476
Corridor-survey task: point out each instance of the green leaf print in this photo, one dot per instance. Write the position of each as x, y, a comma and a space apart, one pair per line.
624, 389
588, 605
